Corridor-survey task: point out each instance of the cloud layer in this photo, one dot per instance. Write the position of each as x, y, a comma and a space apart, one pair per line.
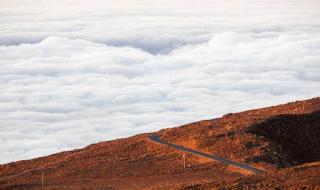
73, 74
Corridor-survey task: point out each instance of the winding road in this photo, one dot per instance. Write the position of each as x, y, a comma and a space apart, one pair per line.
157, 139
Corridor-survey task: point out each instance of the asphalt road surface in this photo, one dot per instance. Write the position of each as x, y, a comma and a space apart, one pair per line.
157, 139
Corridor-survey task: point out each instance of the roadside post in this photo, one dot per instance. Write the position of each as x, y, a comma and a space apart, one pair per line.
42, 180
184, 160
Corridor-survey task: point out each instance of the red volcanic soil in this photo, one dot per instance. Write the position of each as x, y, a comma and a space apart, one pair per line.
284, 140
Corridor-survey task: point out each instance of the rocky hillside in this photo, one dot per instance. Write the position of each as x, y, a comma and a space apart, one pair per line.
284, 140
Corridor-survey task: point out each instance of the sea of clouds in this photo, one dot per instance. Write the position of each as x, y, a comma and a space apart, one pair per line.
77, 72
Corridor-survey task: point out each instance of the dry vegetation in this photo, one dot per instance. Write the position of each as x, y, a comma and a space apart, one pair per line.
282, 139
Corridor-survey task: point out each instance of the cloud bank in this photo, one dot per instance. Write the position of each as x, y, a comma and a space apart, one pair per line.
74, 74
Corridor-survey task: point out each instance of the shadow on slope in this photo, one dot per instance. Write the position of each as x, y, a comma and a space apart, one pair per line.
295, 139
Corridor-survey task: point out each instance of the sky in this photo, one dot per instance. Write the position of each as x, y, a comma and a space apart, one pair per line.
76, 72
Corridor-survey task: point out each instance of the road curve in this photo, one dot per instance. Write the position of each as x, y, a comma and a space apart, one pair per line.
157, 139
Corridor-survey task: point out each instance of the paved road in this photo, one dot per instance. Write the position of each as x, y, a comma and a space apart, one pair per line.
157, 139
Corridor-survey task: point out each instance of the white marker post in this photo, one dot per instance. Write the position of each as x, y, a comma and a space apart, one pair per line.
42, 180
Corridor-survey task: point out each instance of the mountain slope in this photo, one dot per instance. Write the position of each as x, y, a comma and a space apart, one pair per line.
283, 140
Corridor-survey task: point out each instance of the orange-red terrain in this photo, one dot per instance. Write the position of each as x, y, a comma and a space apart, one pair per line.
284, 140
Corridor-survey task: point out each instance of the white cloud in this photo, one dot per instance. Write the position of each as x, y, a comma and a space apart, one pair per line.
73, 74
